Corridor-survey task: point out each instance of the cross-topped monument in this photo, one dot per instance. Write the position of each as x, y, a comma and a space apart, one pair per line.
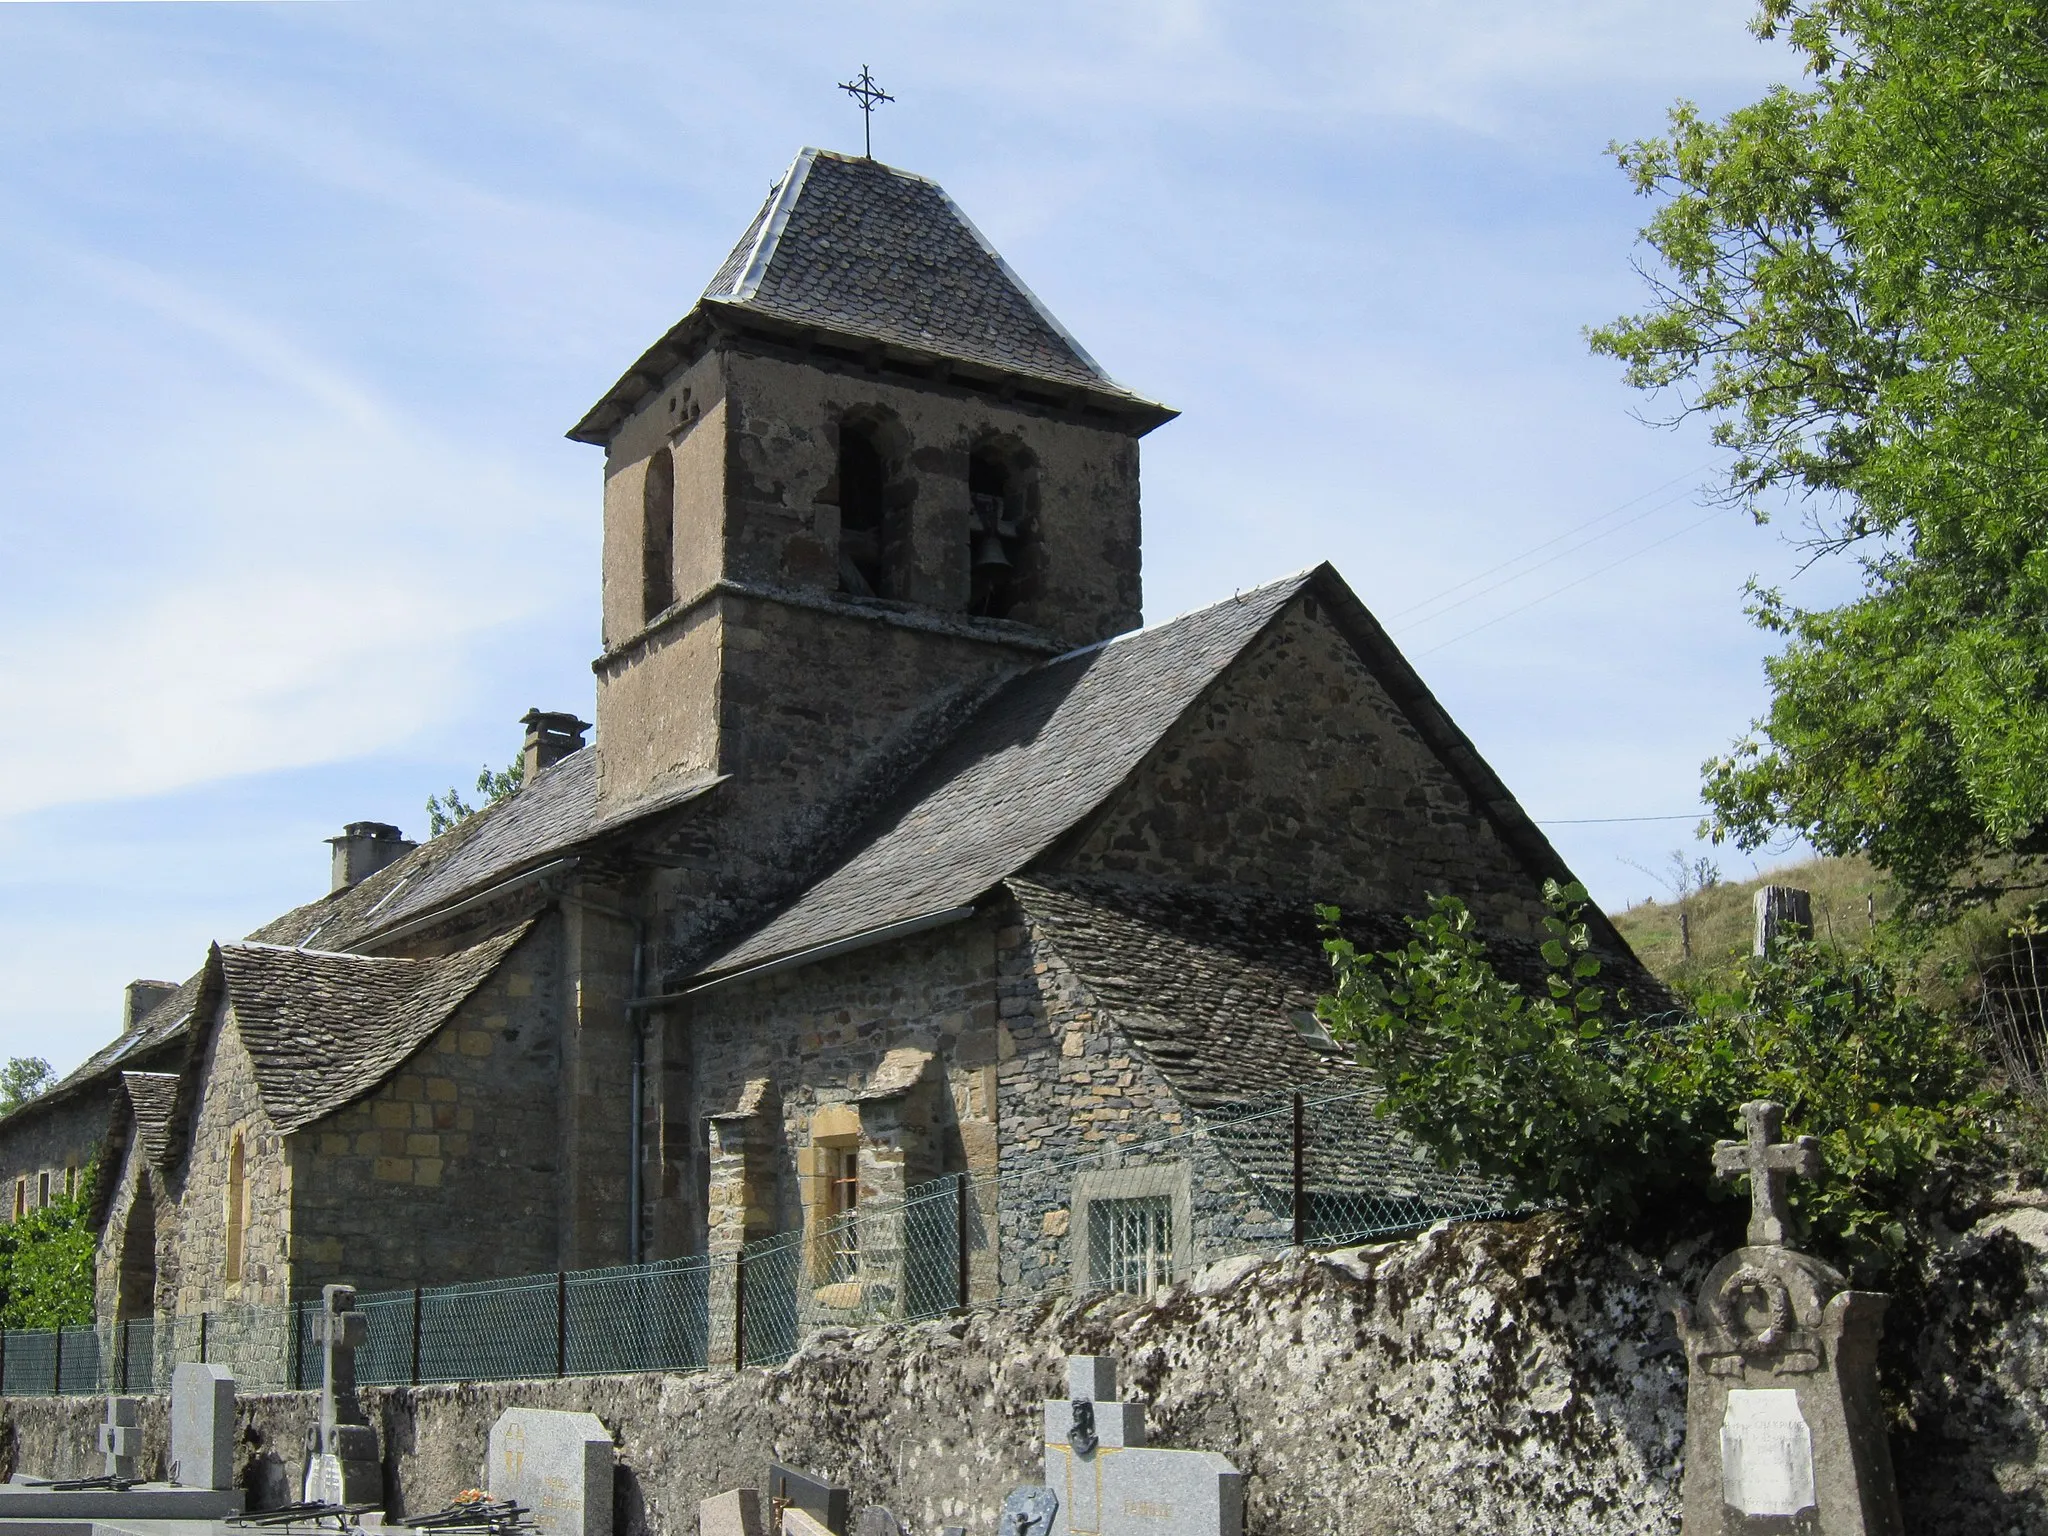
1785, 1430
870, 96
343, 1466
1770, 1163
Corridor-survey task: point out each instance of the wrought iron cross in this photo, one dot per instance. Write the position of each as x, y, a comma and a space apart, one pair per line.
870, 96
1769, 1164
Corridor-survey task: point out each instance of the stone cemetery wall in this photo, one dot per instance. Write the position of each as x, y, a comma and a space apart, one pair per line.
1502, 1377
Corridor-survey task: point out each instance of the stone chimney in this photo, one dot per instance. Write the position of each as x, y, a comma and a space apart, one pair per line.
550, 737
139, 997
365, 847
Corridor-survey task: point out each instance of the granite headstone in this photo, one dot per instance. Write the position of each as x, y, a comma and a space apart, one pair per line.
556, 1464
120, 1438
827, 1503
202, 1425
1110, 1482
736, 1512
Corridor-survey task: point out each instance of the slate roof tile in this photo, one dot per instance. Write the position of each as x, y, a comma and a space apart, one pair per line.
154, 1098
1042, 753
324, 1028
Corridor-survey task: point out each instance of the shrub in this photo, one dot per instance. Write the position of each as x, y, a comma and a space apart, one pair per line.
1569, 1094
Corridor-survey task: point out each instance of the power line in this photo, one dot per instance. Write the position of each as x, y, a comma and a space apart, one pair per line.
1538, 548
1601, 821
1575, 582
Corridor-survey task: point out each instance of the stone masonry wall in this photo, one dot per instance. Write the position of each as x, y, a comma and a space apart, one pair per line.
448, 1170
1074, 1095
1507, 1378
1298, 772
56, 1139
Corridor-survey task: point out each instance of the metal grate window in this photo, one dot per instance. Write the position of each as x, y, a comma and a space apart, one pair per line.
844, 1234
1130, 1243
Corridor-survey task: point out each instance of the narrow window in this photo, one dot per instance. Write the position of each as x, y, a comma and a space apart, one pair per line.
863, 512
236, 1196
42, 1189
658, 538
996, 536
70, 1181
1130, 1244
20, 1198
843, 1209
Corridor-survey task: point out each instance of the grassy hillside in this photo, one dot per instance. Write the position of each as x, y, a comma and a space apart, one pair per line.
1721, 919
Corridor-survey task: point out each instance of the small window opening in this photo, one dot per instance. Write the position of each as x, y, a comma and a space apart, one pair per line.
843, 1210
1130, 1244
996, 536
863, 513
20, 1198
658, 539
70, 1181
237, 1197
42, 1190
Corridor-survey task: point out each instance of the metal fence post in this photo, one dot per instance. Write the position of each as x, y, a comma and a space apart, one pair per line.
202, 1338
126, 1342
1300, 1192
295, 1314
57, 1361
417, 1294
739, 1309
561, 1323
960, 1232
3, 1362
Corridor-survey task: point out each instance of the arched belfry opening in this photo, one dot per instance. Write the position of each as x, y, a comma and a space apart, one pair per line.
1003, 555
870, 495
137, 1296
658, 538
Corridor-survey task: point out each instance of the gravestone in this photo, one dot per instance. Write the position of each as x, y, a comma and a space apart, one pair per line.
1784, 1430
1027, 1512
827, 1503
877, 1521
736, 1512
1110, 1482
120, 1438
342, 1464
202, 1426
559, 1465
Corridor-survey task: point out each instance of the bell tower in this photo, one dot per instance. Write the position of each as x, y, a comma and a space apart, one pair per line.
868, 473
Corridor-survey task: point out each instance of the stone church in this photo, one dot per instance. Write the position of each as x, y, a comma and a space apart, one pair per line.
902, 850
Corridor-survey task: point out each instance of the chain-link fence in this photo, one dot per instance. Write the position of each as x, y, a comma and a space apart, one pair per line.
1132, 1216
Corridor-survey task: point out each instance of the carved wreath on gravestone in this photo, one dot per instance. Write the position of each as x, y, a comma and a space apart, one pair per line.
1776, 1304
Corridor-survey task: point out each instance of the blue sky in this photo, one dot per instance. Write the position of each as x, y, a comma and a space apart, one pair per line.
300, 298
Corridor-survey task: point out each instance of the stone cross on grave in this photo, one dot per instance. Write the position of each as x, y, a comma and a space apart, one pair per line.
120, 1439
1770, 1163
343, 1466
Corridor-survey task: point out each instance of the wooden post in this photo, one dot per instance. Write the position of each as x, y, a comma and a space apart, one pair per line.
1782, 912
417, 1293
561, 1323
739, 1309
960, 1233
1300, 1181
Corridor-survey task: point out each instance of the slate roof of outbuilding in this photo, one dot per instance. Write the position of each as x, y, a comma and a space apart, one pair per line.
323, 1028
154, 1098
1217, 987
1044, 751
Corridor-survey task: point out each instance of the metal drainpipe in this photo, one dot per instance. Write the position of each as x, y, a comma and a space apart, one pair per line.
639, 1094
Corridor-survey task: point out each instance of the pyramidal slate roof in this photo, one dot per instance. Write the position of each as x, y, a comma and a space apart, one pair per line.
859, 247
323, 1028
1044, 751
154, 1098
865, 251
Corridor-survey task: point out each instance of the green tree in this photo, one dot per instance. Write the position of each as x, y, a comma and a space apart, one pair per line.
22, 1079
1567, 1093
1850, 281
46, 1262
445, 811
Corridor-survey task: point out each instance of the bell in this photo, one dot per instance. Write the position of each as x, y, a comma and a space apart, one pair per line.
989, 553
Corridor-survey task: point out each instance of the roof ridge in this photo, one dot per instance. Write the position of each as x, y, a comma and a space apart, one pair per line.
1236, 599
